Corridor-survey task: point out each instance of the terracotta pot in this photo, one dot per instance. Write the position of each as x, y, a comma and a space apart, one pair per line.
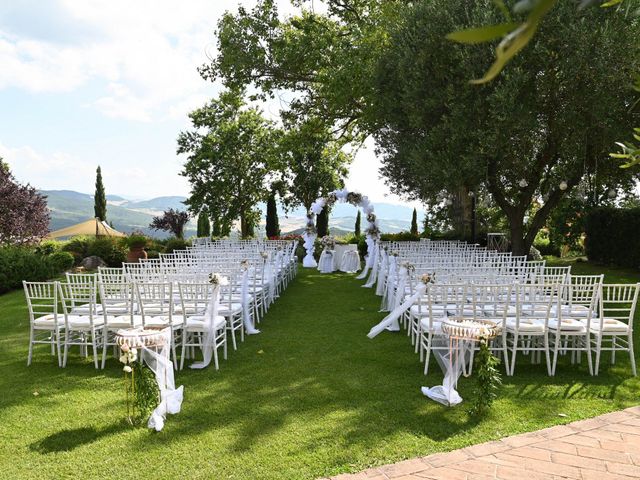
135, 254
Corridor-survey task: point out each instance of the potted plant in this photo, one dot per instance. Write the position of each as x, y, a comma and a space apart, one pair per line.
136, 243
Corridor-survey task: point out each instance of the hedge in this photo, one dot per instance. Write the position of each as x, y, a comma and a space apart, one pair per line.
613, 236
21, 263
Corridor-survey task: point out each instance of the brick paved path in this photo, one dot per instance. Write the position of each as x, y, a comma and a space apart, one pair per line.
601, 448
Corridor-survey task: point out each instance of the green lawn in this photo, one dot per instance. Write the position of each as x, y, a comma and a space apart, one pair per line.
311, 396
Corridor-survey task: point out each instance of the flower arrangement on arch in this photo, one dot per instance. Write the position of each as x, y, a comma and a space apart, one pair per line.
354, 198
373, 231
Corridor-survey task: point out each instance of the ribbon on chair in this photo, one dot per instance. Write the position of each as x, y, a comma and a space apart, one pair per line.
382, 273
393, 317
389, 286
209, 341
370, 260
249, 328
162, 367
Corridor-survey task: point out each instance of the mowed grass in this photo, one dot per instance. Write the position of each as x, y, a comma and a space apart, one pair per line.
311, 396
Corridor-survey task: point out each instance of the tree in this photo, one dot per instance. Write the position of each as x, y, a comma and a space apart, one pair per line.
231, 159
204, 225
313, 159
414, 222
272, 227
322, 222
356, 230
99, 198
534, 133
24, 217
172, 221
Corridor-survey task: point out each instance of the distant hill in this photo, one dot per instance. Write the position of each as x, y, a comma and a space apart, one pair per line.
69, 207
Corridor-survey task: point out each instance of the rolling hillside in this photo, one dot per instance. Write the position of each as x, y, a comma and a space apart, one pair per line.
69, 207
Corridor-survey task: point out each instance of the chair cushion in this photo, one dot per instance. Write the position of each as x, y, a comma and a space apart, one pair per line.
83, 322
568, 325
123, 321
162, 320
611, 325
423, 310
525, 326
576, 311
196, 323
436, 327
47, 321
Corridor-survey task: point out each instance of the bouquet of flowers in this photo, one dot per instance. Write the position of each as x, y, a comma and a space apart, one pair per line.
331, 199
244, 264
409, 266
328, 242
427, 278
217, 279
264, 254
354, 199
373, 231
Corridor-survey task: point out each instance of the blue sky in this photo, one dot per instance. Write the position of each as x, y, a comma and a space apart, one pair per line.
93, 82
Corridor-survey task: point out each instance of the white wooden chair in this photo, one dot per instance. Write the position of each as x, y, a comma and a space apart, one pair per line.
194, 299
46, 322
118, 311
80, 329
612, 330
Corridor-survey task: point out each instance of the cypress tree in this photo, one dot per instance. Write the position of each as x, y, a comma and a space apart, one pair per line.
414, 223
273, 225
357, 228
100, 198
322, 222
204, 226
217, 228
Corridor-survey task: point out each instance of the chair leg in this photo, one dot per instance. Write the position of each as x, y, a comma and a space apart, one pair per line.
546, 354
58, 348
514, 354
66, 349
183, 354
225, 343
105, 347
631, 355
588, 352
30, 356
598, 349
613, 350
94, 347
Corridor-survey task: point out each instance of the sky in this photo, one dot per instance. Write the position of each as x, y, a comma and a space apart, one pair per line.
93, 82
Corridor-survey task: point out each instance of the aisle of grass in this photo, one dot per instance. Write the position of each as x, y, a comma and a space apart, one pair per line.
311, 396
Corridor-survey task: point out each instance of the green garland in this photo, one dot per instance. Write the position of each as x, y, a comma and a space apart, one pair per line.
142, 393
489, 380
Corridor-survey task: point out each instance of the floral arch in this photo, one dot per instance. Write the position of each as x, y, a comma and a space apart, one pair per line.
357, 200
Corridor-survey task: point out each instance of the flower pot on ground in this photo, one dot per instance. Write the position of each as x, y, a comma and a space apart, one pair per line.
136, 244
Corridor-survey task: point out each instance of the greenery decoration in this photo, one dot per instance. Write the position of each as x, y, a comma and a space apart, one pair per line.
489, 380
142, 393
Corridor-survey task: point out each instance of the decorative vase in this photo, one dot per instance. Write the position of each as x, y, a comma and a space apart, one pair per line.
135, 254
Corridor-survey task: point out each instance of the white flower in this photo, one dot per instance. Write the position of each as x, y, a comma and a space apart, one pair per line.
563, 185
523, 183
133, 356
127, 369
124, 359
217, 279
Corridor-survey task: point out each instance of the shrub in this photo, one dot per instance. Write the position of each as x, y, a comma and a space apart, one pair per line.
78, 247
136, 241
61, 261
23, 263
175, 244
612, 236
111, 250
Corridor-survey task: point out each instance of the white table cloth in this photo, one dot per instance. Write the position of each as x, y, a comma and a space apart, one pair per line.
341, 250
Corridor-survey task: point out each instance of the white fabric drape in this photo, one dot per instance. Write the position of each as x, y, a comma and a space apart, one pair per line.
350, 262
170, 397
393, 317
245, 300
209, 340
452, 355
374, 269
382, 273
390, 284
327, 263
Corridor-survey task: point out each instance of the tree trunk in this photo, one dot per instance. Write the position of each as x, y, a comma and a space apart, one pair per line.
518, 241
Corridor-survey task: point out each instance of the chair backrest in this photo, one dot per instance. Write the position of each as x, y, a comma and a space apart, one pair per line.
194, 297
618, 302
85, 288
154, 299
69, 293
116, 298
42, 299
112, 275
